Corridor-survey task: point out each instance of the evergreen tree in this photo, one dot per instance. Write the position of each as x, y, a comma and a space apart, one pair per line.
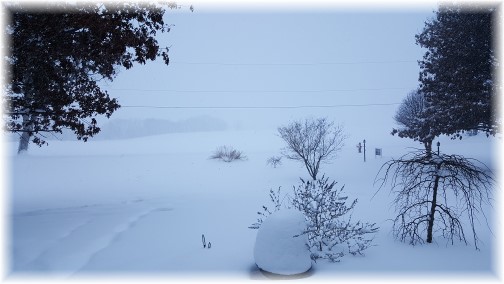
458, 69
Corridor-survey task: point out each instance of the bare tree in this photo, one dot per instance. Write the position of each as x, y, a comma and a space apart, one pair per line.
433, 194
312, 141
410, 117
410, 109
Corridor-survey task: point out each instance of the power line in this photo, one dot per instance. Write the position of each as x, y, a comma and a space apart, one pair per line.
258, 107
294, 64
258, 91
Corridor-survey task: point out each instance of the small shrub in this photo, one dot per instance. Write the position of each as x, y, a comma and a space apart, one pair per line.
275, 161
227, 154
331, 234
275, 199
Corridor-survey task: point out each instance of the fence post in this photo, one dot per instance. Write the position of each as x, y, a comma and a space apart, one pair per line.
364, 150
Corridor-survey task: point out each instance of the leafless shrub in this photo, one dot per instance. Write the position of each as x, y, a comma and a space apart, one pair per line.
227, 154
274, 161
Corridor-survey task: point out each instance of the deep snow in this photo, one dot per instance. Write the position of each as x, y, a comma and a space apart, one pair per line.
280, 245
138, 207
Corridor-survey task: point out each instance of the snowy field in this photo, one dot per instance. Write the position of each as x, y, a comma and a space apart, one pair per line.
136, 209
132, 203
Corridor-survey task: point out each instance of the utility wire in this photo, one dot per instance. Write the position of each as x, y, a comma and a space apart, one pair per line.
258, 91
258, 107
294, 64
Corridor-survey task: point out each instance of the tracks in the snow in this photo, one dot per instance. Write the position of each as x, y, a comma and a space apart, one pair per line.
96, 229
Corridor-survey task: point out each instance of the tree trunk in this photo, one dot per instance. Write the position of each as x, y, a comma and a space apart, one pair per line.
430, 225
24, 140
428, 148
311, 171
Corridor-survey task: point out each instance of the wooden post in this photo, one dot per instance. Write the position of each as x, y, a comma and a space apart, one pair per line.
364, 150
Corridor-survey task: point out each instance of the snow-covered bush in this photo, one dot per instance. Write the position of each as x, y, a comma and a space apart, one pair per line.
280, 246
227, 154
330, 233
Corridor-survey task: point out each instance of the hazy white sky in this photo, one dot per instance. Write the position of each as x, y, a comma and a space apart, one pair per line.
326, 56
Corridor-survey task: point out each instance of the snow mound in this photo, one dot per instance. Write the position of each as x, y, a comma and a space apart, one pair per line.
277, 250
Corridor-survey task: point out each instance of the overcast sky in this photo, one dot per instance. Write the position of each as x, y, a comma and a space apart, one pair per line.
242, 57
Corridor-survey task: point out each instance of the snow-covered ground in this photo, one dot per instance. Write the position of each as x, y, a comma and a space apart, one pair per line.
136, 208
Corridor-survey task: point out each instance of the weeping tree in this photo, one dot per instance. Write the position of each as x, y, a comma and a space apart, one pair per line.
437, 194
